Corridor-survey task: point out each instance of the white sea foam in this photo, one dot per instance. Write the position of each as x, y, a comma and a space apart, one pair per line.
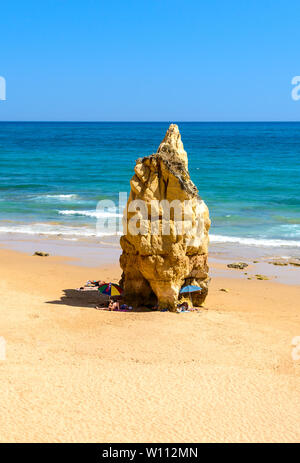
254, 241
48, 229
45, 229
55, 197
69, 231
95, 214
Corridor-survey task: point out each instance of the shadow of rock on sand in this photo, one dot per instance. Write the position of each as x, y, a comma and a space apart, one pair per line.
89, 299
76, 298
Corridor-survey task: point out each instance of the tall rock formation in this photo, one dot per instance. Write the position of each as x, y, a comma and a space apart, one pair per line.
164, 248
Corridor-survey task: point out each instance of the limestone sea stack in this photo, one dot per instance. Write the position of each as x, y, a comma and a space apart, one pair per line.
166, 224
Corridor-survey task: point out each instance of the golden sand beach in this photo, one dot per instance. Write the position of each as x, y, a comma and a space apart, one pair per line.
76, 374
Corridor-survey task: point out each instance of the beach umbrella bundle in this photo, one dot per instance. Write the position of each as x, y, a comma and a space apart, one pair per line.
111, 289
189, 289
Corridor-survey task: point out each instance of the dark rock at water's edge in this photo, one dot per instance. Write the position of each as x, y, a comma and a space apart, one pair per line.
261, 277
239, 265
41, 254
286, 261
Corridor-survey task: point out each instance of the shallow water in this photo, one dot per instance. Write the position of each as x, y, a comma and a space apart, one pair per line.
53, 175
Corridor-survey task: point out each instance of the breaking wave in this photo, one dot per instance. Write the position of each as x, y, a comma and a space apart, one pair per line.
48, 197
95, 214
253, 241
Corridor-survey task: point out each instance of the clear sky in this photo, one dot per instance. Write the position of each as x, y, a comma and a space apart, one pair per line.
150, 60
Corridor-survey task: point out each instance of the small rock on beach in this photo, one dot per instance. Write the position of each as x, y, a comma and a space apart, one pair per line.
239, 265
284, 262
261, 277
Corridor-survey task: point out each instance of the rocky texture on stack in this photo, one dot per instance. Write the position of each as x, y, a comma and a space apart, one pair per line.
164, 256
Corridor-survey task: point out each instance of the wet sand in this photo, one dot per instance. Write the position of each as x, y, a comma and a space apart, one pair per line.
76, 374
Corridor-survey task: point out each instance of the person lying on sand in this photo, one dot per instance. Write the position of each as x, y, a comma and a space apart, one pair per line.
91, 284
183, 305
115, 306
96, 283
109, 307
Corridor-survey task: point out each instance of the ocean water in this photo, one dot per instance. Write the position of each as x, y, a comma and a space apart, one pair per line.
52, 176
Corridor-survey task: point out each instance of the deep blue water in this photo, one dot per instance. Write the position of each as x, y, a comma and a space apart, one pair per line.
53, 174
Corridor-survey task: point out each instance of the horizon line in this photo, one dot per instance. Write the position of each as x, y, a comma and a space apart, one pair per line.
149, 122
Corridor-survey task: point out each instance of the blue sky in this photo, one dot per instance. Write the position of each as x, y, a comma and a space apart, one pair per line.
149, 60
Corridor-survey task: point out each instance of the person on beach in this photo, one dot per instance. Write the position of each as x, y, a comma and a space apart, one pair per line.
183, 307
116, 305
113, 305
95, 283
110, 305
90, 284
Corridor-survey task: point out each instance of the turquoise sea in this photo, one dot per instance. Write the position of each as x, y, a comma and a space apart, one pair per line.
53, 175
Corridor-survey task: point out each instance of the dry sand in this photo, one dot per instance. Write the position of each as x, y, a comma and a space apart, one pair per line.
75, 374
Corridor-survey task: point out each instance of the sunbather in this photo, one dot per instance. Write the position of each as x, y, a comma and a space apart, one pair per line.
116, 305
111, 305
183, 307
95, 283
91, 285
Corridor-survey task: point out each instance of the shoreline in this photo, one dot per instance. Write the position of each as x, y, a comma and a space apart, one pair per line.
106, 251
